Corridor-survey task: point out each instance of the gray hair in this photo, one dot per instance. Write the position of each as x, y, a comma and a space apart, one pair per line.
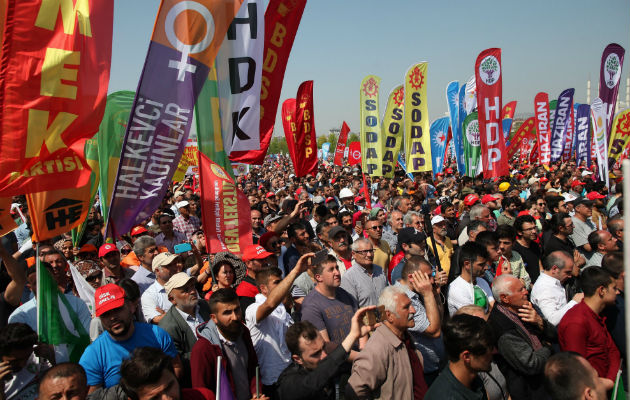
500, 285
557, 258
387, 298
408, 218
476, 210
358, 242
143, 243
390, 217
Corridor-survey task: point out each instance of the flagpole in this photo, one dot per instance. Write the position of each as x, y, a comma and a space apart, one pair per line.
218, 391
626, 243
37, 290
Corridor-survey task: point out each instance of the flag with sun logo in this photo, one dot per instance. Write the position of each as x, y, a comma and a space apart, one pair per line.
392, 130
439, 134
417, 140
370, 126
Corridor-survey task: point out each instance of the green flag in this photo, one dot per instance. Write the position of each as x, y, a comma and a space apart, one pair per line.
472, 144
51, 327
91, 156
109, 138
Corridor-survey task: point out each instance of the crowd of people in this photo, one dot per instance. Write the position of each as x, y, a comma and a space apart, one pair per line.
436, 287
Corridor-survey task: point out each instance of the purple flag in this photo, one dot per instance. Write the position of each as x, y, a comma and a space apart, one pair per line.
561, 123
609, 77
583, 134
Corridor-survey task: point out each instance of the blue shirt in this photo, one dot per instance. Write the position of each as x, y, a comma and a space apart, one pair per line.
101, 360
143, 278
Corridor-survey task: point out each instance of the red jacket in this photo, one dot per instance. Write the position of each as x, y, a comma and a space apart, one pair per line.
203, 359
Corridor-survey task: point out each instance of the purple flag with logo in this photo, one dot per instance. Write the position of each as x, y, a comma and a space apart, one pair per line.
609, 77
438, 134
583, 134
561, 123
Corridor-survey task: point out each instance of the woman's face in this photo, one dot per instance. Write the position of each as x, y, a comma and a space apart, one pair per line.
226, 276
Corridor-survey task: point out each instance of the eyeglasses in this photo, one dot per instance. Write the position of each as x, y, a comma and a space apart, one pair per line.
364, 252
542, 204
376, 228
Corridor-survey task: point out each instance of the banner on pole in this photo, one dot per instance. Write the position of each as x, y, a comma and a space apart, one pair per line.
439, 131
583, 135
305, 121
541, 108
507, 116
472, 143
417, 139
341, 144
609, 78
370, 135
392, 129
598, 115
561, 119
620, 136
354, 153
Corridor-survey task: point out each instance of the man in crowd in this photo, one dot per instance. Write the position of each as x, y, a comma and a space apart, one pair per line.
582, 329
526, 245
145, 249
364, 280
101, 359
389, 366
185, 222
109, 256
257, 227
299, 239
615, 227
583, 226
339, 240
390, 232
569, 376
154, 300
601, 242
64, 381
256, 259
548, 294
382, 252
510, 208
478, 212
168, 236
473, 259
443, 243
410, 244
507, 237
402, 204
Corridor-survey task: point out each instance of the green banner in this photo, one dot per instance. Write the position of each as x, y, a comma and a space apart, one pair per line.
91, 156
472, 144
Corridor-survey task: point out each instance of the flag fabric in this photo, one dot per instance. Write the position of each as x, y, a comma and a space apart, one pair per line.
454, 107
57, 323
552, 117
223, 390
282, 19
598, 115
569, 135
541, 108
325, 150
439, 133
239, 73
84, 289
189, 160
354, 153
54, 75
524, 134
472, 143
507, 116
620, 136
305, 121
403, 165
226, 210
371, 141
488, 77
110, 136
417, 139
296, 149
91, 156
533, 155
366, 193
459, 150
174, 74
618, 392
392, 129
341, 144
470, 99
561, 118
609, 77
583, 135
7, 223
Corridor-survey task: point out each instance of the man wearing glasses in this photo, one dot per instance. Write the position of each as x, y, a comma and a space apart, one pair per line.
382, 252
113, 272
364, 280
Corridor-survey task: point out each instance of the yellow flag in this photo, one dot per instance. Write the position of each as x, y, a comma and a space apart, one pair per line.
620, 135
393, 130
371, 139
417, 140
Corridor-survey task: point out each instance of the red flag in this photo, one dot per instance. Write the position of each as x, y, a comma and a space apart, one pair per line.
534, 156
290, 129
306, 130
54, 75
488, 79
508, 110
226, 211
341, 144
541, 108
366, 193
354, 153
282, 19
525, 132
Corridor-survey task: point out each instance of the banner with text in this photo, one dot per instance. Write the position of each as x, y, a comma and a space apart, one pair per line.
392, 129
54, 75
296, 149
370, 135
560, 125
488, 77
541, 109
461, 161
609, 78
305, 121
567, 151
524, 133
620, 136
583, 135
417, 139
354, 153
341, 144
598, 115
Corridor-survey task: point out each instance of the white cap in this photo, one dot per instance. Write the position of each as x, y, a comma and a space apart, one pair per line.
181, 204
345, 192
586, 173
437, 219
568, 197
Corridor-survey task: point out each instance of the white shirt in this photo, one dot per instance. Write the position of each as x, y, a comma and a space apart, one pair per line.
154, 296
461, 293
192, 321
268, 338
549, 295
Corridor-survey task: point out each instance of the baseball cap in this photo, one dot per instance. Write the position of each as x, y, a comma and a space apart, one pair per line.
176, 281
271, 218
345, 192
488, 198
108, 297
336, 230
586, 173
532, 180
138, 230
594, 195
359, 199
583, 201
504, 186
178, 193
437, 219
106, 249
471, 199
449, 170
270, 194
577, 183
163, 259
318, 200
568, 197
409, 235
255, 252
544, 179
181, 204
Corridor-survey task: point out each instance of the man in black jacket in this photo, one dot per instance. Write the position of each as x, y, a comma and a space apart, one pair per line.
523, 338
312, 373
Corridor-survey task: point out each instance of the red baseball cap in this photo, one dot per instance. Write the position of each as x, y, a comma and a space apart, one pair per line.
106, 249
138, 230
449, 170
488, 198
270, 194
108, 297
255, 252
594, 196
88, 248
471, 199
524, 212
544, 179
577, 183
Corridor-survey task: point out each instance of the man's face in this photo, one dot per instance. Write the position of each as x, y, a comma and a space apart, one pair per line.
567, 227
17, 359
364, 255
167, 388
528, 231
485, 215
330, 276
312, 352
346, 221
272, 282
478, 266
584, 210
340, 243
271, 201
149, 253
228, 317
608, 241
374, 230
404, 205
562, 207
185, 211
610, 293
327, 191
505, 245
111, 259
541, 206
494, 252
416, 223
347, 201
166, 225
58, 266
449, 212
166, 271
118, 321
403, 318
185, 296
332, 221
565, 273
512, 208
301, 237
252, 200
256, 219
67, 388
472, 235
440, 229
519, 294
396, 221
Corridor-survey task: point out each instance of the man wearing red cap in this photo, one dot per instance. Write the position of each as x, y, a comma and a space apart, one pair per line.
101, 359
272, 203
255, 258
109, 256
